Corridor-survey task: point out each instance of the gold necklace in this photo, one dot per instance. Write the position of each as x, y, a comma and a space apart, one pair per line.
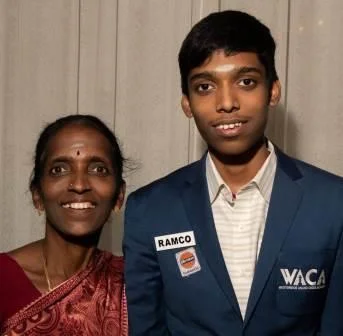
46, 272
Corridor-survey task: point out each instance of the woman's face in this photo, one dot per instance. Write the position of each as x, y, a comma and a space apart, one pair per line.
78, 184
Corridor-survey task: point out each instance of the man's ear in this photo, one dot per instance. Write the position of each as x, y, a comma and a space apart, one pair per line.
185, 104
120, 199
275, 93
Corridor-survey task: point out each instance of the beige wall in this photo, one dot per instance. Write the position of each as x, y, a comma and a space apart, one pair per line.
117, 59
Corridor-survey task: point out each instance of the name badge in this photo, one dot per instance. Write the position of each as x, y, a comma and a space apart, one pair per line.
173, 241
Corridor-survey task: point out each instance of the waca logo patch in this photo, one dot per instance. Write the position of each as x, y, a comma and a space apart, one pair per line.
299, 279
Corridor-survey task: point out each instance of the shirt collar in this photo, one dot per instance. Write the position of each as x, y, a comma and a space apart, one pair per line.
263, 179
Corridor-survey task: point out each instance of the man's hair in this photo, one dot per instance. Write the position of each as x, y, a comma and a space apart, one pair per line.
232, 32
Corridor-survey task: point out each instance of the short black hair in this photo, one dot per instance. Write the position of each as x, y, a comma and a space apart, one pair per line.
233, 32
86, 120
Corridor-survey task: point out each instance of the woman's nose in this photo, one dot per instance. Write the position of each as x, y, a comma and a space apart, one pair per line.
79, 183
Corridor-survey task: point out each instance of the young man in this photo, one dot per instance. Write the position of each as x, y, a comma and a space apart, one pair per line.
246, 241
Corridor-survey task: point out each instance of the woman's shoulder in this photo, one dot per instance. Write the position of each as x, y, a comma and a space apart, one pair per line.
16, 290
111, 265
26, 256
114, 261
7, 264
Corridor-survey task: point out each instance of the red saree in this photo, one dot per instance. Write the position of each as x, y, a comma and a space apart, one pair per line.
91, 303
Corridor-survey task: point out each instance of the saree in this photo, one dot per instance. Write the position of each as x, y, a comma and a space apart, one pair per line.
90, 303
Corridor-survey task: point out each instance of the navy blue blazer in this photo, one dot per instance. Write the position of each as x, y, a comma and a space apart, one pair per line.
298, 282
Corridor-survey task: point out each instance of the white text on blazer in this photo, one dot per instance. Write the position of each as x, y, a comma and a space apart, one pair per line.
298, 279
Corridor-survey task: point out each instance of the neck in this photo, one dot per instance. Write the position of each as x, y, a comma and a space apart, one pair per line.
238, 170
63, 257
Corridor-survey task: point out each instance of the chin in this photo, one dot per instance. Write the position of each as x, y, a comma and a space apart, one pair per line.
232, 149
81, 235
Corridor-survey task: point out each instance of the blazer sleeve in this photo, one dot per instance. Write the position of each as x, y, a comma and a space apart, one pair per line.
332, 316
142, 273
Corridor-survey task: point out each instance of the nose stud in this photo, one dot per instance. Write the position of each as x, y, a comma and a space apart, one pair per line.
70, 185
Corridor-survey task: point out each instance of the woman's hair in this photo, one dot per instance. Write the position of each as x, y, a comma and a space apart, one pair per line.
76, 119
231, 31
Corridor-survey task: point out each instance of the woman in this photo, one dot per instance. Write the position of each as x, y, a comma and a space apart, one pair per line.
62, 284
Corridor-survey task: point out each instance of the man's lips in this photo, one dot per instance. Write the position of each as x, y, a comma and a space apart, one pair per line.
229, 123
229, 127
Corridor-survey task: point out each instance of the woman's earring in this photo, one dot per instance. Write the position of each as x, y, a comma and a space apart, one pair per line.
40, 212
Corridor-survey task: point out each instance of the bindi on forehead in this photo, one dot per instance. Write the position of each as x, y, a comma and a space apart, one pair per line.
78, 146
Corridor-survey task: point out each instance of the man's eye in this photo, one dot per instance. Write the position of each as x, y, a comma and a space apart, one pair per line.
247, 82
204, 87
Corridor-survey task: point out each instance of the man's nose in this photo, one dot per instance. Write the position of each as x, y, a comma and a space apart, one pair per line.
227, 100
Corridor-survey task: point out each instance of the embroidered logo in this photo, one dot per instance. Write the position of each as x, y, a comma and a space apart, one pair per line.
298, 279
176, 240
188, 262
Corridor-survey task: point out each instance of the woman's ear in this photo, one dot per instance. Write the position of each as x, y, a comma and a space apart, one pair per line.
120, 199
37, 200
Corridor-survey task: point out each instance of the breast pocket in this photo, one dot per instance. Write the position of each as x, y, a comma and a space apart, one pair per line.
302, 281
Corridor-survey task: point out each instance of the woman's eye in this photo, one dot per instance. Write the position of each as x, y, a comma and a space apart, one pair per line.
101, 170
58, 170
247, 82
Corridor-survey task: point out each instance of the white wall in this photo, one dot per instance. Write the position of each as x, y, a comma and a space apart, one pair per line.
117, 59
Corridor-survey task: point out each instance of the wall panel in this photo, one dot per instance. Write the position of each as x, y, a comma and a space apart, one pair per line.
149, 120
315, 97
97, 68
39, 57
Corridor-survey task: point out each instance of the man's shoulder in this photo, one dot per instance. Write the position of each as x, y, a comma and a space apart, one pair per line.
311, 173
171, 182
162, 193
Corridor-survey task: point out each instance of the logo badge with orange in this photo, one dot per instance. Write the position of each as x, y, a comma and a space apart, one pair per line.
187, 261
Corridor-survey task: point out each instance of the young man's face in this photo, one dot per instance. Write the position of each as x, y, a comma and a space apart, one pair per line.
229, 99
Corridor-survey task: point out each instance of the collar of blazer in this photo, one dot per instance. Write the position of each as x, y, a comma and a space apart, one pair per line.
284, 162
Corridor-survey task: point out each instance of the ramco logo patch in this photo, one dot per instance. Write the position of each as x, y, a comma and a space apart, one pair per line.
298, 279
173, 241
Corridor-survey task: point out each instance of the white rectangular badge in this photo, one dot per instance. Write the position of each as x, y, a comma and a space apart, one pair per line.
176, 240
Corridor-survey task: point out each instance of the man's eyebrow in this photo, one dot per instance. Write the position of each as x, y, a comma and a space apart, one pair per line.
248, 69
238, 71
202, 75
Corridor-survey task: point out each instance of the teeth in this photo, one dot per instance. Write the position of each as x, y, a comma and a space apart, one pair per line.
229, 126
83, 205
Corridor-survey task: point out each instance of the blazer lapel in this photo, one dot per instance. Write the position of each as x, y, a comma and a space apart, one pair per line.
198, 209
285, 199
